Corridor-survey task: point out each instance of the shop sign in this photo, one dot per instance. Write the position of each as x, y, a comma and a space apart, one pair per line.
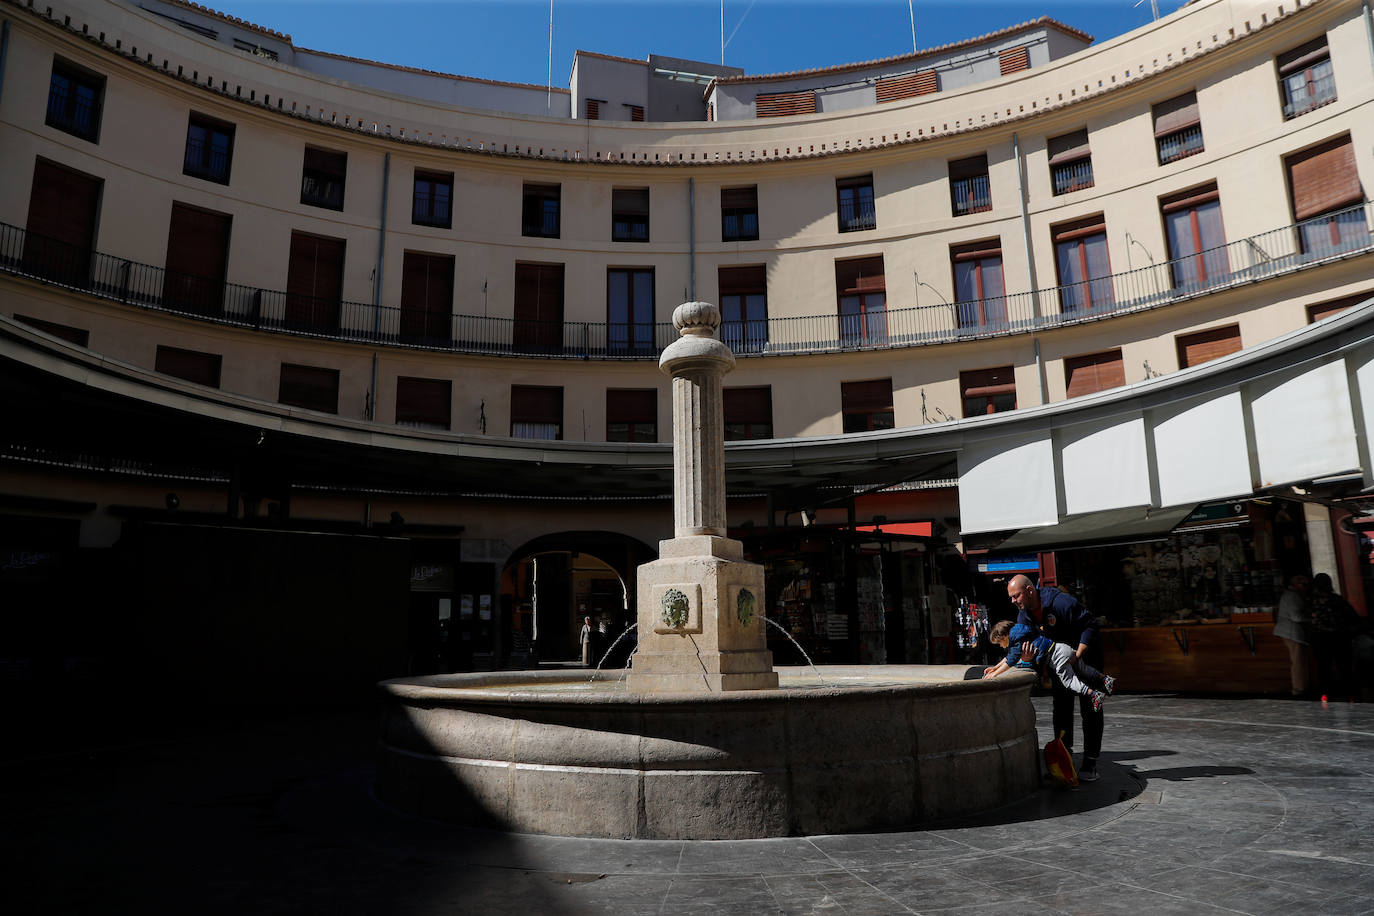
1017, 563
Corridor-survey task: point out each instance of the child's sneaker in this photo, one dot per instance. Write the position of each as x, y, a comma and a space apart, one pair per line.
1098, 697
1108, 684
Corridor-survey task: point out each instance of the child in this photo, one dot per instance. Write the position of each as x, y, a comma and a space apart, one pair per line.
1071, 670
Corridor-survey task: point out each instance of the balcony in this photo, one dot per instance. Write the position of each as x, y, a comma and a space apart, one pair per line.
970, 195
1072, 176
1322, 240
1180, 145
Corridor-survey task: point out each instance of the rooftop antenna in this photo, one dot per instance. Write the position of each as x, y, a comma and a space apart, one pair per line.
912, 13
548, 98
722, 32
1154, 6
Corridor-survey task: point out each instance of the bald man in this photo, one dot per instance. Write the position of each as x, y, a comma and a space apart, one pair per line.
1062, 618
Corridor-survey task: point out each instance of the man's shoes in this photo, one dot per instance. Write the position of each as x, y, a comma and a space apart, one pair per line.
1098, 697
1108, 684
1088, 771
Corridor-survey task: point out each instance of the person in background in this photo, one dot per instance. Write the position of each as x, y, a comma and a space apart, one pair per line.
586, 639
1333, 627
1291, 625
1060, 616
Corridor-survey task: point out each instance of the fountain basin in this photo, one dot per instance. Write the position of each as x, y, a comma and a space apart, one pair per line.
548, 752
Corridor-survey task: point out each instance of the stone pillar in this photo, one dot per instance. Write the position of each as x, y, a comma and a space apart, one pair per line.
700, 604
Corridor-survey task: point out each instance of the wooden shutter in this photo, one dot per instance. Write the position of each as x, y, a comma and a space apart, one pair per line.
631, 405
311, 387
1093, 372
739, 198
866, 396
314, 281
1314, 312
593, 110
426, 295
79, 336
999, 381
1193, 197
972, 167
538, 306
1204, 346
748, 405
860, 275
536, 404
326, 162
782, 104
1079, 228
197, 258
1324, 178
191, 365
630, 201
1302, 57
741, 281
1176, 114
907, 86
1014, 60
636, 112
976, 251
60, 232
426, 401
1069, 148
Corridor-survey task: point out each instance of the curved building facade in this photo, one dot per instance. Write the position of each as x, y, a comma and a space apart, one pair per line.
256, 297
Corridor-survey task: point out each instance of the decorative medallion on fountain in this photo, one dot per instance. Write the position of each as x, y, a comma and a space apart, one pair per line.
744, 607
675, 607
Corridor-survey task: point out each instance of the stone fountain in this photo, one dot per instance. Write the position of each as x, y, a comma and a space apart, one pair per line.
707, 741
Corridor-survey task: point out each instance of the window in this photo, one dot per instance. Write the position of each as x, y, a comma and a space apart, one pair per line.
866, 405
433, 201
1197, 241
197, 260
636, 111
1071, 162
986, 391
855, 197
75, 97
594, 109
969, 189
426, 297
1205, 346
209, 149
861, 289
744, 308
1093, 372
1305, 78
314, 282
79, 336
310, 387
1314, 312
1014, 60
60, 237
1326, 195
782, 104
978, 286
748, 413
1178, 128
630, 310
536, 412
424, 402
538, 308
539, 211
630, 214
739, 214
907, 86
631, 415
322, 178
191, 365
1080, 250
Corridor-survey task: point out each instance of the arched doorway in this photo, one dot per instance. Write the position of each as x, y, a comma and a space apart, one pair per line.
554, 581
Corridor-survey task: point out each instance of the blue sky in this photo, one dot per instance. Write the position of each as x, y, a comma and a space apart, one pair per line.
509, 39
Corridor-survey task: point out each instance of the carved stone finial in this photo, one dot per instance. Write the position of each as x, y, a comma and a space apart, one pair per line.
698, 319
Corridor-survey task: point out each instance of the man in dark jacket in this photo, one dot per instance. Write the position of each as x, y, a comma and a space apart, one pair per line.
1062, 618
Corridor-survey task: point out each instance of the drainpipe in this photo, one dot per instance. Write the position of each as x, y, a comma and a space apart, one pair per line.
1030, 258
1368, 32
4, 51
377, 288
692, 239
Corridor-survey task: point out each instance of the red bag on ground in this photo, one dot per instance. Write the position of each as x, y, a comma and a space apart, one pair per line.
1059, 763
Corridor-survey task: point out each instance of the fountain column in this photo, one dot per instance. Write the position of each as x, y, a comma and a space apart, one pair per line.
700, 604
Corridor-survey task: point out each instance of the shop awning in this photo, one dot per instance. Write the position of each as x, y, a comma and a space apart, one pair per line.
1114, 526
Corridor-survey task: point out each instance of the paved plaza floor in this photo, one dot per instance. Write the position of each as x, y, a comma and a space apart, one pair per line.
1206, 806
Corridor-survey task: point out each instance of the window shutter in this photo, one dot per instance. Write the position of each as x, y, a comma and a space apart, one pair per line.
1205, 346
972, 167
630, 201
782, 104
1314, 312
1093, 372
976, 251
424, 401
593, 110
907, 86
1014, 60
79, 336
987, 383
1302, 57
1069, 147
865, 396
631, 405
738, 281
748, 405
740, 198
1193, 197
859, 275
536, 404
1324, 178
1175, 114
311, 387
191, 365
636, 112
326, 162
1079, 228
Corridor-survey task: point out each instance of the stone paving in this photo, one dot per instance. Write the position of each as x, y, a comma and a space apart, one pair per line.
1255, 806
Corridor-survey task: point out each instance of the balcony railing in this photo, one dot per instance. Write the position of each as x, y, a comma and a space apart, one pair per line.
1321, 240
1180, 144
970, 195
1072, 176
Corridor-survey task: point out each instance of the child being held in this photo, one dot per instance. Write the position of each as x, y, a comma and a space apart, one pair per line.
1071, 670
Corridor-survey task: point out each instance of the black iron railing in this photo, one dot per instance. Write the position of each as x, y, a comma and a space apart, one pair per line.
1323, 239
